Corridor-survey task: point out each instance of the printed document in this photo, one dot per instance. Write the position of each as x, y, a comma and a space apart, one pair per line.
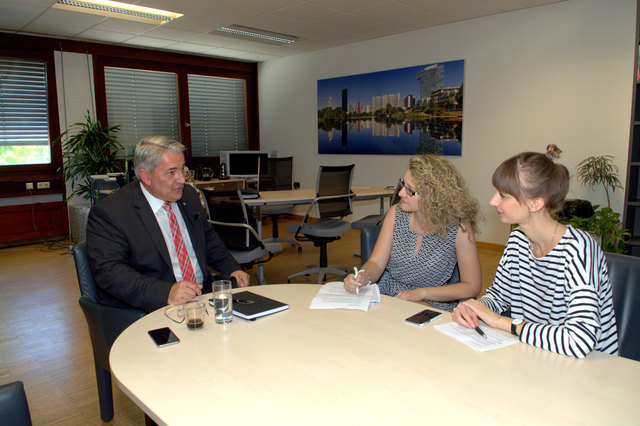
332, 295
471, 338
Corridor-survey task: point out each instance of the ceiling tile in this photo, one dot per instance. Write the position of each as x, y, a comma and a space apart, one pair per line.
270, 22
149, 41
171, 34
418, 21
100, 35
306, 12
124, 26
182, 6
15, 16
347, 6
346, 21
454, 10
387, 11
263, 5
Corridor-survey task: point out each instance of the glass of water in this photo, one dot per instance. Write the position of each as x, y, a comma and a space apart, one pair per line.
222, 301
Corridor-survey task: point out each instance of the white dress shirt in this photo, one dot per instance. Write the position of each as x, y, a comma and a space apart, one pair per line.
162, 216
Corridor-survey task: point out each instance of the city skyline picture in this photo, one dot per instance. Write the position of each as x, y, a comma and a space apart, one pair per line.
405, 111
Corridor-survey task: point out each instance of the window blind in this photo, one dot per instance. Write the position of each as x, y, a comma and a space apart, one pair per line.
217, 110
143, 103
24, 115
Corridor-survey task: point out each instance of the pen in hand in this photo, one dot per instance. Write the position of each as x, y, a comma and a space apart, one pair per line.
480, 332
355, 277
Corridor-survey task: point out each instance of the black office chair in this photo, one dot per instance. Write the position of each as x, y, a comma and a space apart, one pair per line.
236, 226
624, 275
332, 203
105, 325
14, 408
279, 177
376, 219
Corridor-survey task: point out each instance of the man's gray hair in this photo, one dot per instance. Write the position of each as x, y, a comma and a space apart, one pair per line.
150, 149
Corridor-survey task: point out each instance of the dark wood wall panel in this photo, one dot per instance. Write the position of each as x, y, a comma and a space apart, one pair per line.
33, 221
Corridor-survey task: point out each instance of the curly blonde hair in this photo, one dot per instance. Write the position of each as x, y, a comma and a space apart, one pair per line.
444, 197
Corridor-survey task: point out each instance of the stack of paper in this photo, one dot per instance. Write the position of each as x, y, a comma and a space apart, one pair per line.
471, 338
332, 295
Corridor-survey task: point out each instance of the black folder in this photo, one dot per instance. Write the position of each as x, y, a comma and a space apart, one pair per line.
250, 306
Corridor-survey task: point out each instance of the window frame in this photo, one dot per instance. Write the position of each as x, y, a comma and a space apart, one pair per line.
44, 170
182, 66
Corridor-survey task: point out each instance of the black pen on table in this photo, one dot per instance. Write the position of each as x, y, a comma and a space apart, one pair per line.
480, 332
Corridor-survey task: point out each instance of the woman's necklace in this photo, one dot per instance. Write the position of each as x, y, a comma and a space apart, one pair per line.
553, 237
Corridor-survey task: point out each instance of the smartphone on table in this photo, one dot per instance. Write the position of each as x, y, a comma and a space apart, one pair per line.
163, 337
423, 317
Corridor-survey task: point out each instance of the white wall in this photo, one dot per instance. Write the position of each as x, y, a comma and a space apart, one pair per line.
74, 81
561, 73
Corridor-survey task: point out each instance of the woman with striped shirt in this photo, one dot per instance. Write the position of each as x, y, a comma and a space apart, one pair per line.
552, 277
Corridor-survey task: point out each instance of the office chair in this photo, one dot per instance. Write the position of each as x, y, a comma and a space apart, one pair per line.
278, 178
236, 226
333, 200
624, 275
105, 325
14, 408
375, 219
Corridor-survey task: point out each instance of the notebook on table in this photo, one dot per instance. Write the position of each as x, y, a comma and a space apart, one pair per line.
250, 306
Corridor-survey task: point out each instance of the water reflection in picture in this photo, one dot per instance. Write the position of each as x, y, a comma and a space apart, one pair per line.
408, 111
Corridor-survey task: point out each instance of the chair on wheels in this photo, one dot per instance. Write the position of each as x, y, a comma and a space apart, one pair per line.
105, 325
14, 408
332, 203
624, 275
279, 177
236, 226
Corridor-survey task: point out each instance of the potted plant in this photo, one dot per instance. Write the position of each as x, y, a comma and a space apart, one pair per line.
599, 170
91, 150
604, 224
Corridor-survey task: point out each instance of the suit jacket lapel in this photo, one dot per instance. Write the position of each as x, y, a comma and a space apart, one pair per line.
150, 223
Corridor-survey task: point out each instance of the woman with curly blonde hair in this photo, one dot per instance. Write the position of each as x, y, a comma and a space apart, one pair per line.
424, 237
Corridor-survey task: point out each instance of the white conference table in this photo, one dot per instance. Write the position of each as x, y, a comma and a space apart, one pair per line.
325, 367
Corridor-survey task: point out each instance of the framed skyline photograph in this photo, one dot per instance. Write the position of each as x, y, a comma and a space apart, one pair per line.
406, 111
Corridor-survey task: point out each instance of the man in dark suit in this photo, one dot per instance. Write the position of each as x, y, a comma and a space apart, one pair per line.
135, 256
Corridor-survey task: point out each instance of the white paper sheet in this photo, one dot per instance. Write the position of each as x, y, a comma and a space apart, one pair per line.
332, 295
471, 338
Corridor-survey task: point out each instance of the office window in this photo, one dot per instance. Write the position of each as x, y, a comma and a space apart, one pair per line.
217, 110
143, 103
24, 114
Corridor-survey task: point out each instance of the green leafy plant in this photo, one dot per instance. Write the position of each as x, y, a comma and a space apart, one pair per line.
605, 224
599, 170
91, 150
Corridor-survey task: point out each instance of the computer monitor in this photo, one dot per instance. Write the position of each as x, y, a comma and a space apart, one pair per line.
244, 164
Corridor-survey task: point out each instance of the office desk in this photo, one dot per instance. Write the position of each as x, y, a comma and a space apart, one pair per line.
221, 184
324, 367
306, 196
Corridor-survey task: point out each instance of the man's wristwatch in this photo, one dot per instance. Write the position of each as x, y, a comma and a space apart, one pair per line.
514, 325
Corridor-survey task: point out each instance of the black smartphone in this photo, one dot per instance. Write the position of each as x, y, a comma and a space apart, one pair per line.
424, 317
163, 337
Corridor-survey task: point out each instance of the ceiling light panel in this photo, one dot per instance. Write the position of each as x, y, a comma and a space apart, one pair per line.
256, 34
118, 10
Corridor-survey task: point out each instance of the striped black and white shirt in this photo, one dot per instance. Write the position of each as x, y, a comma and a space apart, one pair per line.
564, 297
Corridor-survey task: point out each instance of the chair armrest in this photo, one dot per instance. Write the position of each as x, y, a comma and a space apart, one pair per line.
105, 325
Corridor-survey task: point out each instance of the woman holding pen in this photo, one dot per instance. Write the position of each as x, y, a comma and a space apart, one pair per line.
553, 277
424, 236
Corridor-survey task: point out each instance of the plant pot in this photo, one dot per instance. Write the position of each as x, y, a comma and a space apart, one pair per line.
78, 217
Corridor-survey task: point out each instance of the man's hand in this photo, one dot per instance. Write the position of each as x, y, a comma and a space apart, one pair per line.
183, 291
242, 278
